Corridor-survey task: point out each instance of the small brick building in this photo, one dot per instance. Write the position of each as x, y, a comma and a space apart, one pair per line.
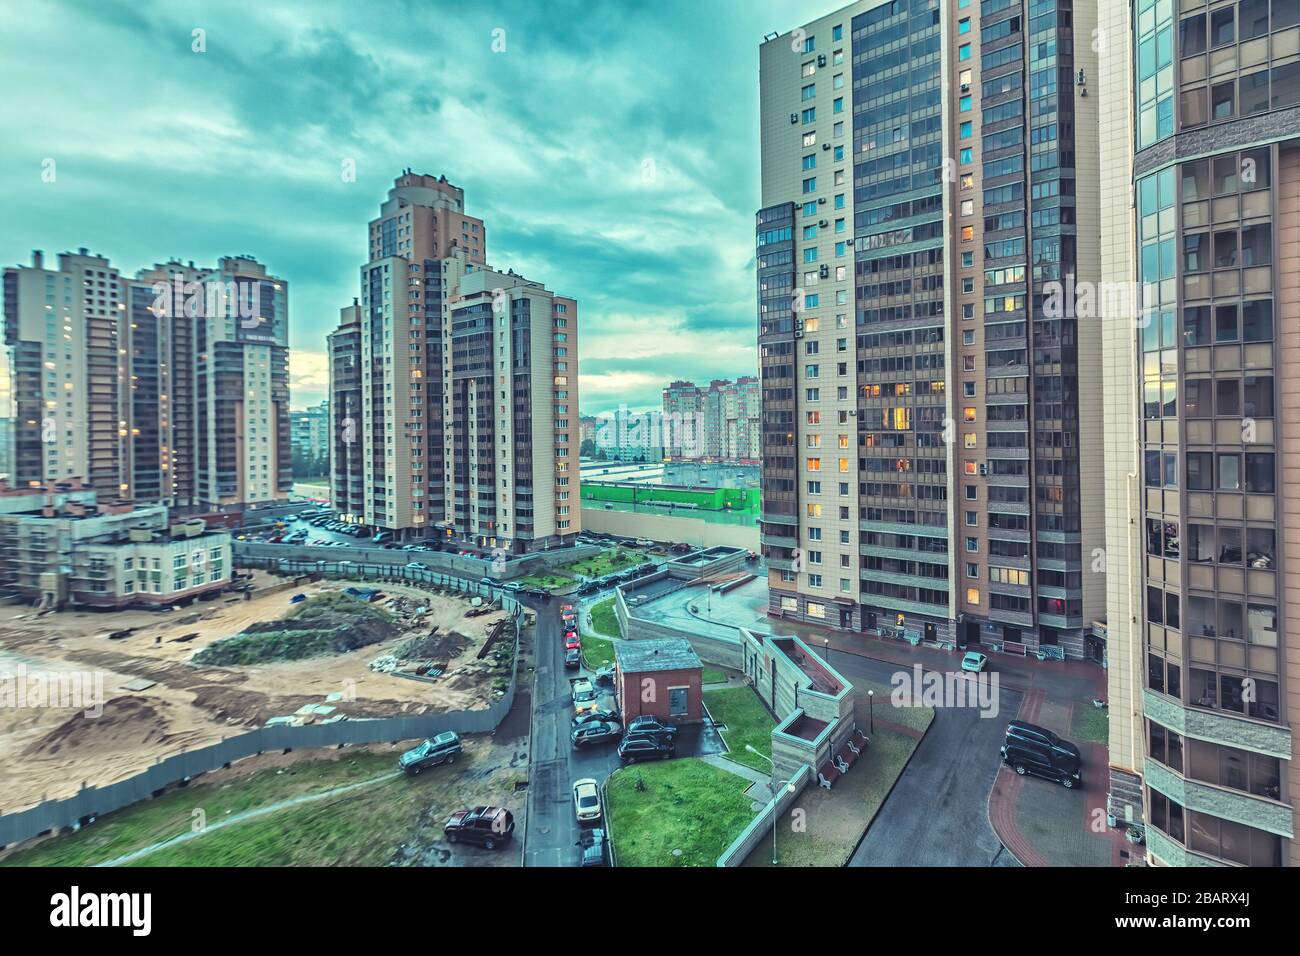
660, 678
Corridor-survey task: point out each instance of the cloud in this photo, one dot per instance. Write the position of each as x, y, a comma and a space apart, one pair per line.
612, 149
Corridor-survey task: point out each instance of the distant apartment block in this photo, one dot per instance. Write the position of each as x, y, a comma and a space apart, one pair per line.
309, 436
454, 386
171, 387
720, 421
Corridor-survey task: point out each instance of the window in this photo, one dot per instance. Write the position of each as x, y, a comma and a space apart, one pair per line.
963, 51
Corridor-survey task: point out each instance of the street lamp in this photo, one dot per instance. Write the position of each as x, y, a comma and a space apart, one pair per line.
827, 642
771, 787
871, 710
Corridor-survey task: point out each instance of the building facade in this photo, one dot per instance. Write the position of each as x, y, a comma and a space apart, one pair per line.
60, 546
467, 422
718, 421
931, 413
170, 387
309, 436
1202, 208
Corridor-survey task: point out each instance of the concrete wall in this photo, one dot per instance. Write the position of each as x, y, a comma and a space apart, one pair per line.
256, 553
761, 825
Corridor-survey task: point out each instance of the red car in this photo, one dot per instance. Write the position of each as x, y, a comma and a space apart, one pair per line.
571, 641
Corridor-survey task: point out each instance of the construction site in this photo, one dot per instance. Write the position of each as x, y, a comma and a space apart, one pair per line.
157, 682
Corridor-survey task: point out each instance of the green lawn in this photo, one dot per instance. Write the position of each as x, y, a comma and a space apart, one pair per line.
711, 675
603, 619
1090, 723
597, 643
361, 827
748, 722
687, 805
547, 580
606, 562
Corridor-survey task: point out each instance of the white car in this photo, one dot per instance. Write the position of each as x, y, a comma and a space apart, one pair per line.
974, 662
586, 800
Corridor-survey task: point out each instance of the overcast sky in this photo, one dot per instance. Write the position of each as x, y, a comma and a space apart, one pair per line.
611, 147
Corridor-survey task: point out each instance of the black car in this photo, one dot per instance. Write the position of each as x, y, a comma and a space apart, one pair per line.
1020, 731
644, 747
573, 658
1030, 749
489, 827
591, 848
595, 732
537, 592
443, 748
648, 724
590, 587
598, 716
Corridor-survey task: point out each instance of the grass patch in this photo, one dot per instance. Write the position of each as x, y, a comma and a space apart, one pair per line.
711, 675
748, 722
329, 623
172, 814
603, 619
362, 827
686, 805
597, 640
606, 562
836, 818
551, 581
1091, 723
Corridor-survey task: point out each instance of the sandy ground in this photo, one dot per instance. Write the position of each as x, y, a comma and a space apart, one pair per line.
52, 748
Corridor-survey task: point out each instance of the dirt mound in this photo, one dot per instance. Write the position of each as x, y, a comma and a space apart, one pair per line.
443, 647
126, 724
326, 624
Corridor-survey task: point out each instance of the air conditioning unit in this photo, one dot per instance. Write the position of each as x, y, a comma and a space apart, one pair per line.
984, 469
826, 145
823, 223
821, 200
825, 271
821, 59
794, 118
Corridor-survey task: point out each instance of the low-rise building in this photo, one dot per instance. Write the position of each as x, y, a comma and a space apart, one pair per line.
659, 678
60, 546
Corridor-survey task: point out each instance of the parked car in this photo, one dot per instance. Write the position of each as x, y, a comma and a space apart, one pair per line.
644, 543
586, 800
588, 587
598, 716
441, 749
605, 675
632, 749
591, 848
974, 662
571, 640
417, 566
584, 694
594, 732
573, 658
649, 724
1030, 749
489, 827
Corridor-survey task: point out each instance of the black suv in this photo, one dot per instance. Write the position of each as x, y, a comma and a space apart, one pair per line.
489, 827
440, 749
1036, 750
642, 747
652, 726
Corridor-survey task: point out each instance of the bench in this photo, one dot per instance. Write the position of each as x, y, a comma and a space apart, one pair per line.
827, 775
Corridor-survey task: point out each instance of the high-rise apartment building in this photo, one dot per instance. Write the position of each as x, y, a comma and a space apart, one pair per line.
1201, 216
170, 387
468, 418
931, 412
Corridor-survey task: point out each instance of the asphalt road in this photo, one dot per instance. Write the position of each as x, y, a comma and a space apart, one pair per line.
554, 765
937, 813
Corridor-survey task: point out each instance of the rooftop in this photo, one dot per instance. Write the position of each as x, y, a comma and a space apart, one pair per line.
667, 654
